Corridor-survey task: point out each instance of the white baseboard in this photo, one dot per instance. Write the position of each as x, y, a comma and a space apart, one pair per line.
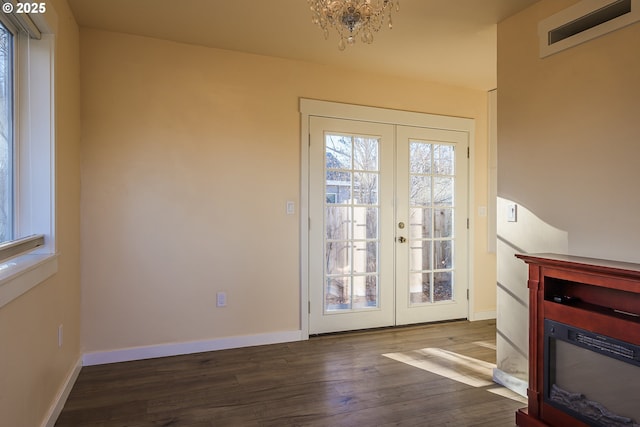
61, 398
509, 381
175, 349
483, 315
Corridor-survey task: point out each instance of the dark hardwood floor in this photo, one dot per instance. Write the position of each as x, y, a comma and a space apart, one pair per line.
351, 379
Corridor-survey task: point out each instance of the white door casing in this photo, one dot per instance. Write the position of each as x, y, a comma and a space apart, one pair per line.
395, 131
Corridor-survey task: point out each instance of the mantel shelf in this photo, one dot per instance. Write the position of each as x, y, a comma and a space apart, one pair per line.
583, 264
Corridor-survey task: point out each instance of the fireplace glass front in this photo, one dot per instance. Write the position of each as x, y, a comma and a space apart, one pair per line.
593, 378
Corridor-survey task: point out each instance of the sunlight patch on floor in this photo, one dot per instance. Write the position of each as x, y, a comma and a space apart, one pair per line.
485, 344
464, 369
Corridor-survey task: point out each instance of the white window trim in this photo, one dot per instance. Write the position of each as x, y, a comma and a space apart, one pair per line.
35, 160
20, 274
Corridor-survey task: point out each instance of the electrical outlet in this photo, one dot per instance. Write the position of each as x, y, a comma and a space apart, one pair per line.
60, 335
221, 299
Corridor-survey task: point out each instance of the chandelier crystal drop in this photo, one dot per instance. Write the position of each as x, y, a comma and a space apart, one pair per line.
352, 18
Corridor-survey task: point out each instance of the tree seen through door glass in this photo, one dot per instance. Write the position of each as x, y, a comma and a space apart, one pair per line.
432, 211
351, 222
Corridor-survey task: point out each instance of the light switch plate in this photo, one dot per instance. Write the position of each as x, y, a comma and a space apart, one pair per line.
221, 299
512, 212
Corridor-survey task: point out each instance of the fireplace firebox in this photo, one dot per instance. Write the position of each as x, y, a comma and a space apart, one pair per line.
584, 342
591, 377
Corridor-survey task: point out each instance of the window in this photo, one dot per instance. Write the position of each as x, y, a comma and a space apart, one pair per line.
6, 133
27, 245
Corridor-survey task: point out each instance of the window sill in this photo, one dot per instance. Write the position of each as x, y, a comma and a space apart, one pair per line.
19, 275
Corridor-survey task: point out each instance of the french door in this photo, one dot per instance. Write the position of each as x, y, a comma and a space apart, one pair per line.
387, 224
431, 214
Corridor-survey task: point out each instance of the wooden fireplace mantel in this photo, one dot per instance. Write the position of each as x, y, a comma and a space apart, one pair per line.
604, 298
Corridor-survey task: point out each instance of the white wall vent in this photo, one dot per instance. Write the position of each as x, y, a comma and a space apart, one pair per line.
584, 21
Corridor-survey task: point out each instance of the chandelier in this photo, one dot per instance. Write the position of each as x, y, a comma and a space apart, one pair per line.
351, 18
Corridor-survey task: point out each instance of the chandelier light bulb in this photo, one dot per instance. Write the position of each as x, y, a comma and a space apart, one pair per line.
350, 18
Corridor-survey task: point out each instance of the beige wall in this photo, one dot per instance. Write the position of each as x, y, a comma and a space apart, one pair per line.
32, 367
567, 154
189, 155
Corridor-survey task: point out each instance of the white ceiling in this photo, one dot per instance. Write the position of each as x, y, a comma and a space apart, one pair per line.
450, 41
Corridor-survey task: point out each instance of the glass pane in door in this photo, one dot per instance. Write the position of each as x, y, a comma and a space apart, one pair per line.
431, 219
351, 213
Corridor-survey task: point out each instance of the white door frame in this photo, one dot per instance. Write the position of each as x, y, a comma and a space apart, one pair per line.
336, 110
